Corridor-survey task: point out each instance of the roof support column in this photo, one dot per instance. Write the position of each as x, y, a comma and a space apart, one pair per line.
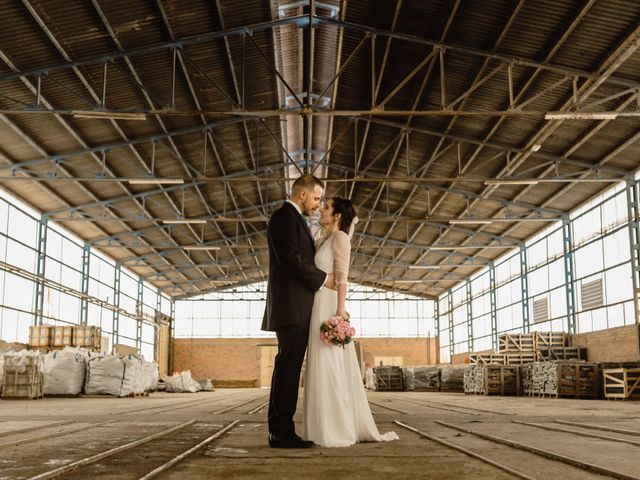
633, 207
494, 302
139, 312
469, 317
84, 302
115, 327
524, 286
450, 314
40, 266
567, 241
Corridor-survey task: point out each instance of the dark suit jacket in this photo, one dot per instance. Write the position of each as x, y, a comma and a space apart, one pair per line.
293, 276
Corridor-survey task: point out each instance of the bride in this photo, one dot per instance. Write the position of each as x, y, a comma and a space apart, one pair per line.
336, 410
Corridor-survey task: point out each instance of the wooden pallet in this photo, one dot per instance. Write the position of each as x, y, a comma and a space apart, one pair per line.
550, 340
577, 379
564, 353
516, 342
61, 336
24, 379
520, 358
87, 336
40, 335
487, 359
388, 379
621, 383
501, 380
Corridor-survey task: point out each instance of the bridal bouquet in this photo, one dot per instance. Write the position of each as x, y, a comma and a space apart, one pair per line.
337, 330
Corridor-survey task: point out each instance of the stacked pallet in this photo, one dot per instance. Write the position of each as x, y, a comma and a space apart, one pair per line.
23, 375
524, 348
564, 378
564, 353
622, 383
487, 359
388, 379
492, 380
50, 337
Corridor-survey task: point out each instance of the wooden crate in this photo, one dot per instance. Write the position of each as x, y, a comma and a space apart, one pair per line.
487, 359
387, 379
564, 353
621, 383
520, 358
87, 336
550, 340
577, 379
501, 380
62, 336
516, 342
40, 335
23, 377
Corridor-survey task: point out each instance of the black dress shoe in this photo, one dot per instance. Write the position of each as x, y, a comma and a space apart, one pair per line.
276, 441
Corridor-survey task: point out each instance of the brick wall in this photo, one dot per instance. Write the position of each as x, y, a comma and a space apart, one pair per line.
238, 359
618, 344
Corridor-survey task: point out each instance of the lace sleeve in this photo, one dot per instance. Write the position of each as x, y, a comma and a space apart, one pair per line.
341, 248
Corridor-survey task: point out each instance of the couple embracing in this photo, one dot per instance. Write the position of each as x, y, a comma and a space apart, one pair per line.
308, 285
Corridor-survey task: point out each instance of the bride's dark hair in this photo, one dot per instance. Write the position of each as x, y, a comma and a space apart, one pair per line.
344, 207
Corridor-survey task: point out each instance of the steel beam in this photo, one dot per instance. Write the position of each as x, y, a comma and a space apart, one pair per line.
450, 314
567, 241
139, 314
469, 315
40, 271
633, 210
84, 302
524, 287
115, 328
493, 300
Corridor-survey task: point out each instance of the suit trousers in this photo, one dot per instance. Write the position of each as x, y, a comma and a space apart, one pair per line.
292, 345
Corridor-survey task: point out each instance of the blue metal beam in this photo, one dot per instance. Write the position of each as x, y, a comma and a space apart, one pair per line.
40, 270
567, 240
524, 287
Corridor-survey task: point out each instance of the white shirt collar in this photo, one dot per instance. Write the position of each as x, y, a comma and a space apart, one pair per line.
295, 206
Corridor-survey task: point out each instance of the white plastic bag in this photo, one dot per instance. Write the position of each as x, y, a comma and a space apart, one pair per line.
64, 371
181, 382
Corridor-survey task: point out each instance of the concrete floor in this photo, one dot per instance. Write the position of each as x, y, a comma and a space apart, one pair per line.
242, 452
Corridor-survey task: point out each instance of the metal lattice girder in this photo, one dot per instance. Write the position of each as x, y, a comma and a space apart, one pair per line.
139, 313
469, 315
524, 287
567, 241
493, 300
84, 302
40, 271
633, 209
436, 317
509, 60
115, 327
470, 195
174, 45
62, 157
450, 315
556, 159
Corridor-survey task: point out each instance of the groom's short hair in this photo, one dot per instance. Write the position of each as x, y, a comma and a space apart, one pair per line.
305, 182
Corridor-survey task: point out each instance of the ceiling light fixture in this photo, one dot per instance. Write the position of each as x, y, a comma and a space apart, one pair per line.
104, 115
463, 247
511, 181
179, 221
468, 221
407, 281
155, 181
200, 247
424, 267
581, 116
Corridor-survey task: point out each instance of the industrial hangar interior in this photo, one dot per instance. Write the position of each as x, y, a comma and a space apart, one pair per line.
490, 149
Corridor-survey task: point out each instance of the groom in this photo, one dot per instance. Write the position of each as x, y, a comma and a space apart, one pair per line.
293, 282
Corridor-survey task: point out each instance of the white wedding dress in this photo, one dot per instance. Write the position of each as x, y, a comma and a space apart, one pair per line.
336, 411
